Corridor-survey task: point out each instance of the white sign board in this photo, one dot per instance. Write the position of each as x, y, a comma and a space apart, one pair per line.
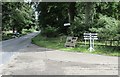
67, 24
91, 37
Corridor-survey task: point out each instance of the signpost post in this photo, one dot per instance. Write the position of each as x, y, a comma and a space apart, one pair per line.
91, 37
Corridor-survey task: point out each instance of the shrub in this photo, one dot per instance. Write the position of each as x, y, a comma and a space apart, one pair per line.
78, 28
49, 32
108, 28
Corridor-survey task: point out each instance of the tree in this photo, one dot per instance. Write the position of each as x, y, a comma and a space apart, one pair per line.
72, 11
82, 16
108, 28
111, 9
16, 16
89, 14
53, 15
42, 9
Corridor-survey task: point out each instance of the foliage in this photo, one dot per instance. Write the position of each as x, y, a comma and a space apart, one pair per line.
16, 16
49, 32
6, 36
111, 9
53, 14
78, 28
107, 28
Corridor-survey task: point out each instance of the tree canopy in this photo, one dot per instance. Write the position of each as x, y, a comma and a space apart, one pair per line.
103, 18
16, 16
98, 17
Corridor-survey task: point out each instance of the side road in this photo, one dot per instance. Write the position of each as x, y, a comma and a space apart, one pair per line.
35, 60
9, 48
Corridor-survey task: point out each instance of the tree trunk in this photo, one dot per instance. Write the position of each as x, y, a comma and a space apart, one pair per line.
43, 15
71, 14
19, 30
89, 14
13, 29
71, 11
111, 42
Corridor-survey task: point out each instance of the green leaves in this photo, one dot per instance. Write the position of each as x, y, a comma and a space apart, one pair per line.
17, 15
109, 29
53, 15
101, 17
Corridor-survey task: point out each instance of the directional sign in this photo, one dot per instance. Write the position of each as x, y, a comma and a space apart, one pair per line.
90, 33
91, 37
67, 24
88, 38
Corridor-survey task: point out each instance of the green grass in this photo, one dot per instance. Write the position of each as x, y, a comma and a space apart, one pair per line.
6, 37
58, 44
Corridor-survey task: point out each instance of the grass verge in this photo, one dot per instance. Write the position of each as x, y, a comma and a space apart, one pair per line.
9, 35
58, 43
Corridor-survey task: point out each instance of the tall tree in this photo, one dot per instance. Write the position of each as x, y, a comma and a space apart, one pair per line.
89, 14
72, 11
16, 15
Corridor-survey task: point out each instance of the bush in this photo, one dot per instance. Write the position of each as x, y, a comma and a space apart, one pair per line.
107, 27
7, 36
78, 28
49, 32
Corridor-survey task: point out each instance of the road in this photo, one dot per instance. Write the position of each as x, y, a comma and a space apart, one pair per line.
12, 46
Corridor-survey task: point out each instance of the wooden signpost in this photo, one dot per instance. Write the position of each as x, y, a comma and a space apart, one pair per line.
91, 37
71, 41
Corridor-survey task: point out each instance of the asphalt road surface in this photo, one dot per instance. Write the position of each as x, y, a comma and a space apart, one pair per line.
10, 47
